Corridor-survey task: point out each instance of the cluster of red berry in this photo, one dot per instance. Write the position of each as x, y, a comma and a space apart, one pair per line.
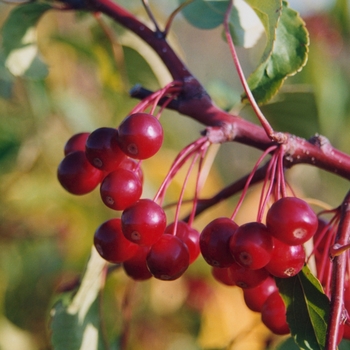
111, 157
250, 255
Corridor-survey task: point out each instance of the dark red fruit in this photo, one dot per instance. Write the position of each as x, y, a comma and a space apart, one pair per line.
251, 245
76, 143
256, 297
120, 188
102, 150
140, 135
214, 242
291, 220
223, 275
111, 243
136, 266
237, 275
132, 165
188, 235
168, 258
286, 260
77, 175
143, 222
273, 314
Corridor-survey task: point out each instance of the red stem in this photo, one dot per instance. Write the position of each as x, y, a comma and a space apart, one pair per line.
263, 121
269, 178
338, 277
197, 189
180, 200
250, 177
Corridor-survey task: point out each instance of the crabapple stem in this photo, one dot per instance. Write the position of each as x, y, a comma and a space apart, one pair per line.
338, 277
181, 158
270, 177
274, 136
245, 189
172, 16
178, 206
338, 249
150, 15
198, 184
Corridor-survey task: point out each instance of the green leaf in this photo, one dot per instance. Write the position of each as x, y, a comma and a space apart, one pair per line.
6, 79
307, 309
19, 40
19, 22
288, 344
75, 322
269, 13
294, 110
245, 25
286, 50
205, 14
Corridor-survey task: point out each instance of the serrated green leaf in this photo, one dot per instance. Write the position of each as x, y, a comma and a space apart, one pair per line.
285, 53
75, 322
307, 309
19, 41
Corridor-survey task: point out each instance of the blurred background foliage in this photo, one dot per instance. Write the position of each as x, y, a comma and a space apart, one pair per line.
46, 233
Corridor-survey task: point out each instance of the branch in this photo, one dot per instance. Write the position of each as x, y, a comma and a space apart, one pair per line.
195, 103
336, 316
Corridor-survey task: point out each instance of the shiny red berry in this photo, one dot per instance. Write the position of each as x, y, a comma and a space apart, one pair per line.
223, 275
273, 314
76, 143
140, 135
291, 220
143, 222
136, 267
102, 150
214, 242
188, 235
237, 275
132, 165
251, 245
256, 297
168, 258
111, 243
77, 175
286, 260
120, 188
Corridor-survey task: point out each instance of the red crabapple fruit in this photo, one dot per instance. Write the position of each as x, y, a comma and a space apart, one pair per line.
140, 135
291, 220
